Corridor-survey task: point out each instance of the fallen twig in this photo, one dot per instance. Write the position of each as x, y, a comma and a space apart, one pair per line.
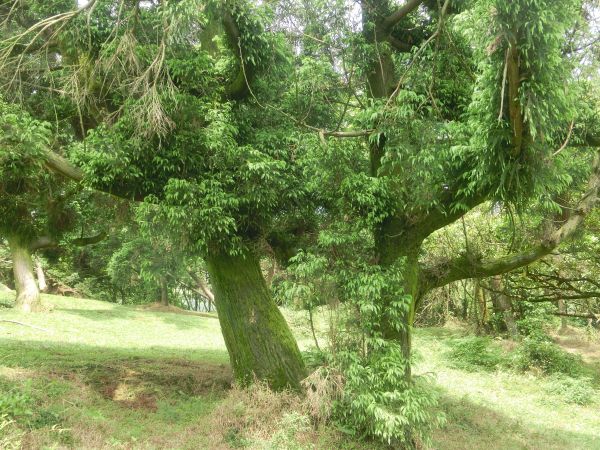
26, 325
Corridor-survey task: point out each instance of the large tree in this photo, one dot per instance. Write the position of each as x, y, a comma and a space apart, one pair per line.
196, 108
164, 114
460, 103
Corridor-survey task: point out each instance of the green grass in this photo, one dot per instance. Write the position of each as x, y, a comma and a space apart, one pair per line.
502, 409
110, 376
116, 376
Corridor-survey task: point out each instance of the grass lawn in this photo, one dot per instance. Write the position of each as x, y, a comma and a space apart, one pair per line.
104, 375
503, 410
98, 375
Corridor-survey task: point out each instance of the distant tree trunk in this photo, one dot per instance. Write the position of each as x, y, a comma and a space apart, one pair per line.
4, 288
271, 272
28, 294
258, 339
563, 319
557, 260
465, 300
164, 291
503, 305
312, 327
206, 292
41, 277
479, 306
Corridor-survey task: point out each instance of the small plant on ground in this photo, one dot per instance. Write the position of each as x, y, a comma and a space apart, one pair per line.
10, 434
16, 405
474, 353
540, 354
579, 391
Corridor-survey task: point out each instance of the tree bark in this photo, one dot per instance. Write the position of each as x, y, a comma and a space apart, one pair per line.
28, 294
392, 243
503, 305
563, 319
41, 277
258, 339
164, 292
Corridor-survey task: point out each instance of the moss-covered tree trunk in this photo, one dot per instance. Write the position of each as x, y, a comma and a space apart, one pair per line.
258, 339
28, 294
393, 243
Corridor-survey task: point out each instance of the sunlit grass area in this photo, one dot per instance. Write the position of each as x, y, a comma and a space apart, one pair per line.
98, 375
502, 409
94, 374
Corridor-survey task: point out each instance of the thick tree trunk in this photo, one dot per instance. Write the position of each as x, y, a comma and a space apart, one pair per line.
28, 294
258, 339
393, 243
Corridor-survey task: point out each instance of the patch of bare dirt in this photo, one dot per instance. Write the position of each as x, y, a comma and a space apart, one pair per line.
16, 373
136, 384
578, 342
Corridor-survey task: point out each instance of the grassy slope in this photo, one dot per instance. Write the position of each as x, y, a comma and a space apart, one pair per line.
503, 410
108, 376
115, 375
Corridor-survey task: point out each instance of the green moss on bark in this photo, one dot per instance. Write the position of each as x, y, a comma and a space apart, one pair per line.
258, 339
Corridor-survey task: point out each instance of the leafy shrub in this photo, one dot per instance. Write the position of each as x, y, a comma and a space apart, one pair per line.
536, 353
572, 390
378, 401
20, 407
361, 385
16, 405
532, 327
475, 353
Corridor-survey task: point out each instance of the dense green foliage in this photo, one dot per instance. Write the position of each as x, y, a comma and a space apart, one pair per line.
368, 153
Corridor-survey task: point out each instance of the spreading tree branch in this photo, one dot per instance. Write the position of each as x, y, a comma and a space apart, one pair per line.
48, 242
390, 21
63, 167
466, 266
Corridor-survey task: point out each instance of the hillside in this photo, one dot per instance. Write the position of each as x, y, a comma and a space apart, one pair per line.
99, 375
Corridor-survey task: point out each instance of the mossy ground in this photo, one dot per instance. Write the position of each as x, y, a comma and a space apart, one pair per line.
107, 376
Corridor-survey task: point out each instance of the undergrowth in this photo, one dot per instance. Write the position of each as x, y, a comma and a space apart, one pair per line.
535, 354
475, 353
579, 391
545, 356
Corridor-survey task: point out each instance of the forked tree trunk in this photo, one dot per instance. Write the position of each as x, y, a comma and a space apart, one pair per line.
258, 339
28, 294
